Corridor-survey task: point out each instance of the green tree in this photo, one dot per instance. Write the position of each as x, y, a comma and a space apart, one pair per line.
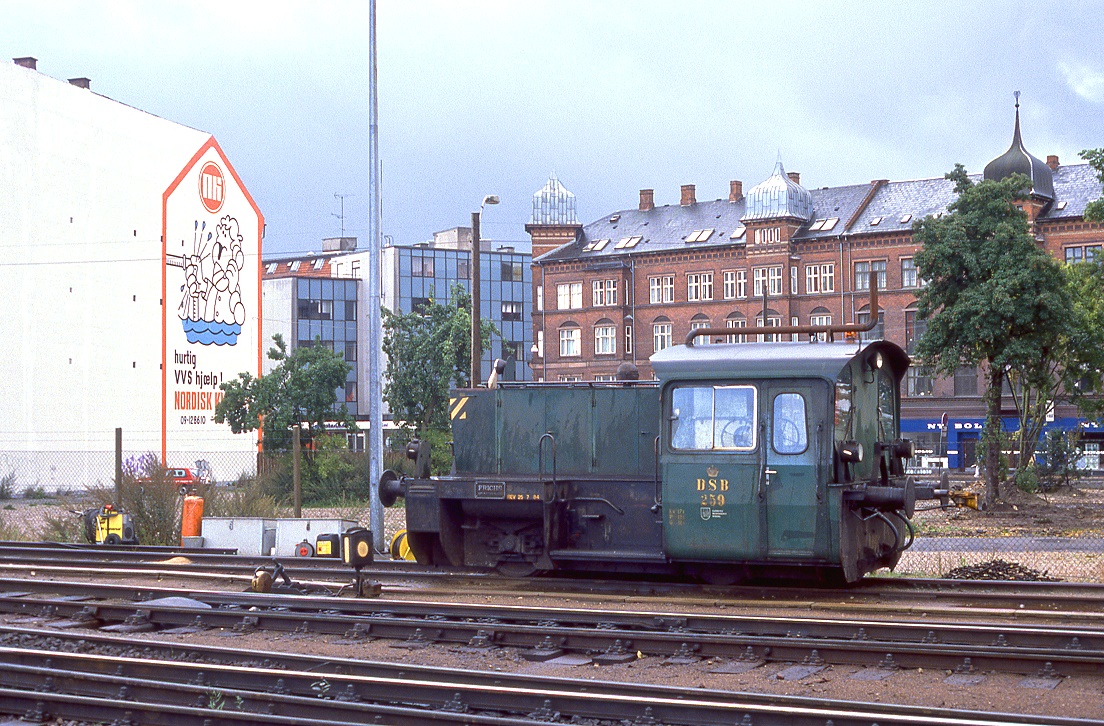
993, 296
1072, 371
428, 351
302, 387
1094, 212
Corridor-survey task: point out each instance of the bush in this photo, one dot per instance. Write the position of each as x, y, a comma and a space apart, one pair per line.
150, 496
1027, 479
329, 473
7, 485
1062, 449
62, 528
35, 492
248, 497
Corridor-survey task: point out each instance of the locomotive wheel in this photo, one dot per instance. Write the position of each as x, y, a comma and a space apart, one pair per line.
515, 566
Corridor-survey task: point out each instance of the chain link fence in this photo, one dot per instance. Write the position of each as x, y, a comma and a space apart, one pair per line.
1058, 534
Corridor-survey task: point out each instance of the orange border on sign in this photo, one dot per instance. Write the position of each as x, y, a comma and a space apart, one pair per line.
210, 144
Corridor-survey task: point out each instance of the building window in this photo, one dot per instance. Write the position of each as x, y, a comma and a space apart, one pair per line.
605, 340
820, 278
966, 382
774, 277
759, 281
569, 295
569, 378
793, 280
463, 269
918, 381
768, 235
511, 272
419, 304
540, 343
739, 322
511, 349
604, 377
728, 282
605, 292
1073, 255
914, 328
351, 351
741, 284
699, 324
661, 336
699, 286
511, 311
570, 339
820, 320
773, 321
540, 298
421, 266
878, 332
862, 274
908, 272
661, 289
628, 339
350, 392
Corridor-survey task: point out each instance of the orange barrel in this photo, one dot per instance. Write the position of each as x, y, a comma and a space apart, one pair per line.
191, 521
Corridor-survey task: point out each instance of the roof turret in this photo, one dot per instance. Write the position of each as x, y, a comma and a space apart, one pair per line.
553, 204
1017, 161
779, 197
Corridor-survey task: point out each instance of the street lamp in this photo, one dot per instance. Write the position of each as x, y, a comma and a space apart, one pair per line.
476, 341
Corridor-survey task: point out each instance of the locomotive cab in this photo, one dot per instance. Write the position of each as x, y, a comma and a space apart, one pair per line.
764, 458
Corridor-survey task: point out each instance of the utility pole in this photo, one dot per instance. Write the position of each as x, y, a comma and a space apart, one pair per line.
476, 331
375, 372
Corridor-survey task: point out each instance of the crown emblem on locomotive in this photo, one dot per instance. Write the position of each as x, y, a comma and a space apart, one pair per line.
712, 472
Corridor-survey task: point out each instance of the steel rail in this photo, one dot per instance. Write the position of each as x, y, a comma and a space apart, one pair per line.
1043, 596
1032, 650
300, 681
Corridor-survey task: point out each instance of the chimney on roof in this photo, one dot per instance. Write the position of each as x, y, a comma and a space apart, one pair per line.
735, 190
27, 62
647, 200
1052, 161
794, 176
688, 197
85, 83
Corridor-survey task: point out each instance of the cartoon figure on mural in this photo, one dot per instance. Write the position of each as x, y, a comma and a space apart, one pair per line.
211, 308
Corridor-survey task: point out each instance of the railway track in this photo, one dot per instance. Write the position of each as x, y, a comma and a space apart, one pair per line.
49, 674
1063, 600
545, 633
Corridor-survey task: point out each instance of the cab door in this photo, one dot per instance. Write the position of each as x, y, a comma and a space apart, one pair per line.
795, 425
711, 467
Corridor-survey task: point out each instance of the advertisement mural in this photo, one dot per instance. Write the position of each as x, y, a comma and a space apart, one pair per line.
211, 304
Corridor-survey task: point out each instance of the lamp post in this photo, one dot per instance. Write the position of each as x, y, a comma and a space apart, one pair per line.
477, 338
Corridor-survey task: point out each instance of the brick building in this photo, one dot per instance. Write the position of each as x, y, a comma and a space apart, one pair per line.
638, 280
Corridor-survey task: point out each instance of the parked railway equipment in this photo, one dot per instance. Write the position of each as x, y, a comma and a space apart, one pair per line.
760, 459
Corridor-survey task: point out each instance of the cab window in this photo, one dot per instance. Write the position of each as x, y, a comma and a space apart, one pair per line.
790, 433
705, 418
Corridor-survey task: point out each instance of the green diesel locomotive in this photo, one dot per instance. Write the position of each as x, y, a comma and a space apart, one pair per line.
744, 460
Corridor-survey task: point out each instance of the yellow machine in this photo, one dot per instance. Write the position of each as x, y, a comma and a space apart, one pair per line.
109, 526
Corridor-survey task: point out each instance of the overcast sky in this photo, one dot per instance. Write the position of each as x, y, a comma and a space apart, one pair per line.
483, 98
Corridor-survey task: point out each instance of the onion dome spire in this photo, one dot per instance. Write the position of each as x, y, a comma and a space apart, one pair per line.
1018, 161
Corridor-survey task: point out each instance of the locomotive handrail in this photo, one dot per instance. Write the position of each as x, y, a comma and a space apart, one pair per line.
830, 330
658, 498
540, 460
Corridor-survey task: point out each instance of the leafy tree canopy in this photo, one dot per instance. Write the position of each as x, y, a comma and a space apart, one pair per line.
993, 295
428, 351
1094, 212
301, 388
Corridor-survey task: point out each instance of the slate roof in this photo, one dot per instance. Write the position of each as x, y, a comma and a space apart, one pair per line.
667, 227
